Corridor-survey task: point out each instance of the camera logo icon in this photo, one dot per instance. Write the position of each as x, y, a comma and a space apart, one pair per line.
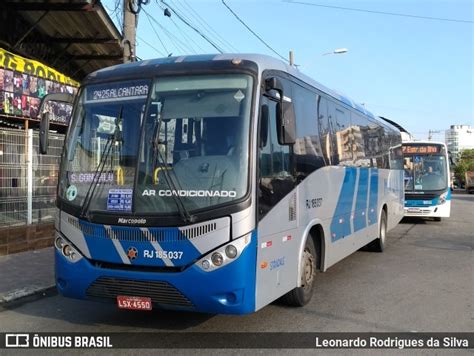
17, 340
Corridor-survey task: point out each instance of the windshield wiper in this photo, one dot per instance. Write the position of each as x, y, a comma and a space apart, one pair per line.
115, 137
183, 212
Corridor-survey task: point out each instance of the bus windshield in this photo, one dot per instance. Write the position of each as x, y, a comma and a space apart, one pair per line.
140, 145
425, 172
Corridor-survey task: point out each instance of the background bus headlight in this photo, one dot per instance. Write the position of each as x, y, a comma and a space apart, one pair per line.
442, 198
225, 254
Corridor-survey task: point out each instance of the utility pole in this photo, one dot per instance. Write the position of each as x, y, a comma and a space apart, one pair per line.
292, 58
129, 31
431, 132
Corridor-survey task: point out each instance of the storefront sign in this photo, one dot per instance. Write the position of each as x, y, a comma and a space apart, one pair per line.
23, 82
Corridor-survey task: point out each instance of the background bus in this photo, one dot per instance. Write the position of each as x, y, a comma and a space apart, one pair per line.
427, 177
218, 184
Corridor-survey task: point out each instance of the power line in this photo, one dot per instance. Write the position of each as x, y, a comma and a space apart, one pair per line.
377, 12
194, 28
151, 46
185, 36
178, 44
253, 32
179, 8
206, 24
154, 30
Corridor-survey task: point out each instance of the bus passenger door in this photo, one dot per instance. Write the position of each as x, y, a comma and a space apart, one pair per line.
276, 259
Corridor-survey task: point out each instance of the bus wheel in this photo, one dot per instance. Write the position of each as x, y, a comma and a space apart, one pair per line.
300, 296
378, 244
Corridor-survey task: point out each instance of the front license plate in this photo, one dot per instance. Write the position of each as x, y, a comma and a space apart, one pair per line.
133, 303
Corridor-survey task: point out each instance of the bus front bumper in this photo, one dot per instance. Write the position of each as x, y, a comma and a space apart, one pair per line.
442, 211
226, 290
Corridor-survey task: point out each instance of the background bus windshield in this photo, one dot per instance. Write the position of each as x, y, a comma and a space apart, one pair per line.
425, 172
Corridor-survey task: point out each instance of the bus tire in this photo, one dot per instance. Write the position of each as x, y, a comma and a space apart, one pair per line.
437, 218
300, 296
378, 245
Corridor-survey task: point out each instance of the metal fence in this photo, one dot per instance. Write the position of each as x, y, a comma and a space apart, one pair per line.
28, 180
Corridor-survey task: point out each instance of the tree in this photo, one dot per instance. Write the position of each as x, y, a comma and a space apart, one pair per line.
465, 164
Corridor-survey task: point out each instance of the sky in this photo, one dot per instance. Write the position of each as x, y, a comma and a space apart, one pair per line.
418, 72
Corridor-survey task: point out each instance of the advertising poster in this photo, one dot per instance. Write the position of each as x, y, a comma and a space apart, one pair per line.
24, 82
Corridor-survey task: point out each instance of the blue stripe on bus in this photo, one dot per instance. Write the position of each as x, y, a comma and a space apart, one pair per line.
360, 217
373, 196
102, 248
341, 224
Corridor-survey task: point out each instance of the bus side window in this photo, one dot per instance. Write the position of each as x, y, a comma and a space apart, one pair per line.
308, 156
324, 129
275, 179
333, 129
344, 136
360, 134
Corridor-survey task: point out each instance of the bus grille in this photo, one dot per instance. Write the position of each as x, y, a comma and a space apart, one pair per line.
161, 293
137, 234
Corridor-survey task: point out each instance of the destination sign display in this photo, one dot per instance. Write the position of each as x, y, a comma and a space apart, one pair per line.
136, 89
421, 149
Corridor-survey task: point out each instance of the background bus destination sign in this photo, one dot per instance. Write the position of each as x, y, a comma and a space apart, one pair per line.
426, 149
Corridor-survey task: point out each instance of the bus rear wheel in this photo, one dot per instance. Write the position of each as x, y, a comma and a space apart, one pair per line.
300, 296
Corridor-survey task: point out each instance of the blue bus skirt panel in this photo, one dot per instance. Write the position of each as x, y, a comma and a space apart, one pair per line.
227, 290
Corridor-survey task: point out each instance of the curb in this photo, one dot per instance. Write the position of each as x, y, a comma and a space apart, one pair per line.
18, 296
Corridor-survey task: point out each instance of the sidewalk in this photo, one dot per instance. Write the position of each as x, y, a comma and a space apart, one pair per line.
26, 273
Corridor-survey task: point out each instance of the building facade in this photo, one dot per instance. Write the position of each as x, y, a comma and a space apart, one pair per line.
458, 138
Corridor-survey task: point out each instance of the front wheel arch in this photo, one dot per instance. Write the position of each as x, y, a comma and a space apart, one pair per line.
379, 244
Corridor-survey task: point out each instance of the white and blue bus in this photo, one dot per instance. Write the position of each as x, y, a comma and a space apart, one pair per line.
217, 183
427, 177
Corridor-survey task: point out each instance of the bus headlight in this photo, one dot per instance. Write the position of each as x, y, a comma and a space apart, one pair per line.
442, 198
231, 251
225, 254
66, 248
59, 242
217, 259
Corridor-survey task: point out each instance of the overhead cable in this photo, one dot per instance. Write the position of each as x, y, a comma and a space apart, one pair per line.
194, 28
253, 32
205, 24
378, 12
154, 30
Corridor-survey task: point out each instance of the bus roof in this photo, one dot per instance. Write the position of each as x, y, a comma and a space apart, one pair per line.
263, 62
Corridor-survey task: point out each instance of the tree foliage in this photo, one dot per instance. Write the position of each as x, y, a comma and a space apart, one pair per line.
465, 163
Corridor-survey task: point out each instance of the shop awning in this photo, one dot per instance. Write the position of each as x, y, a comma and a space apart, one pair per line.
75, 37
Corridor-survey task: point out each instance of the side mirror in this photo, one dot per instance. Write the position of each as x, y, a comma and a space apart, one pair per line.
264, 118
273, 84
286, 123
45, 118
44, 133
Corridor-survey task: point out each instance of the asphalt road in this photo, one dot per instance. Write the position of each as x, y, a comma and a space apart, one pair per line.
424, 281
